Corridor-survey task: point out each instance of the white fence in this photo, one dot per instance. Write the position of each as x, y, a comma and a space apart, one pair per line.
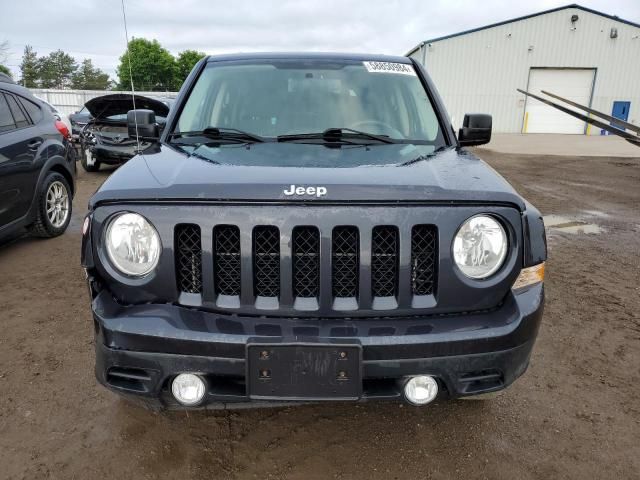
70, 101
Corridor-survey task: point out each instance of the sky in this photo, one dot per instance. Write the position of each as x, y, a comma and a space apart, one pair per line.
95, 29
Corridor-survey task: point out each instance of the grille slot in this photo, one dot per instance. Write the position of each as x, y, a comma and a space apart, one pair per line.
424, 254
266, 261
134, 379
384, 261
345, 261
188, 243
226, 239
306, 262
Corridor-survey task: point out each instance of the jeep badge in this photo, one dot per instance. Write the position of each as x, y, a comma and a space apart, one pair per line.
317, 191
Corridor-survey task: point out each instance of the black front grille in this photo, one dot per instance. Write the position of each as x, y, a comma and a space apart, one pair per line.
424, 254
226, 266
266, 261
306, 262
384, 261
398, 258
345, 261
188, 244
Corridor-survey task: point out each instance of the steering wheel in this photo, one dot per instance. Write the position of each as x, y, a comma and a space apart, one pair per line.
393, 132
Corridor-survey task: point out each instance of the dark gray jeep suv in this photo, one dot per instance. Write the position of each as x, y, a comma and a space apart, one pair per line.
308, 227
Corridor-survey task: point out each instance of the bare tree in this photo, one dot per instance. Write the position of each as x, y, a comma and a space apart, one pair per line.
4, 55
4, 51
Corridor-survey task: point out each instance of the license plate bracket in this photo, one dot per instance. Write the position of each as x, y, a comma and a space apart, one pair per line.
304, 371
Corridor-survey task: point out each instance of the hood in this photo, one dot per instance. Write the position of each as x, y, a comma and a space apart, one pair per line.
121, 103
165, 174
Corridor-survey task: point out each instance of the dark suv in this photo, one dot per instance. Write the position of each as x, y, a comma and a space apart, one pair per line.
37, 166
308, 227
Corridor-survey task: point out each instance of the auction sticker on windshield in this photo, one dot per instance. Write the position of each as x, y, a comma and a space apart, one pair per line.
389, 67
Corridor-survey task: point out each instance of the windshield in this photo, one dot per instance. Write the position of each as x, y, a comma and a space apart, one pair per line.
288, 97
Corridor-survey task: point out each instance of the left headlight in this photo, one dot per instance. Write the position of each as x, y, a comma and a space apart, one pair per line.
132, 244
480, 246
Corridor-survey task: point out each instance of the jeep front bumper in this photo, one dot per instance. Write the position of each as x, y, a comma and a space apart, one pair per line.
140, 349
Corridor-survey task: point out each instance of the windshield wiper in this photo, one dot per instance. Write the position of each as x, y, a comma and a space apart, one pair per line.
221, 133
424, 157
335, 135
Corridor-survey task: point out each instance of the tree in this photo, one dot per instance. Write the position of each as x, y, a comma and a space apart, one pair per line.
152, 66
88, 77
56, 69
29, 68
4, 51
4, 54
185, 62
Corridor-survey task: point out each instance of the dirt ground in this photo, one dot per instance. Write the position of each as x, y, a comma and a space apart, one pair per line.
574, 414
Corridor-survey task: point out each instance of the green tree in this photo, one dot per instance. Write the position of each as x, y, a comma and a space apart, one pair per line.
88, 77
185, 62
56, 69
29, 68
5, 70
152, 66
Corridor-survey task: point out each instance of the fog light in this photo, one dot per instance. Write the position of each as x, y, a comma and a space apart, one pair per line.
188, 389
421, 390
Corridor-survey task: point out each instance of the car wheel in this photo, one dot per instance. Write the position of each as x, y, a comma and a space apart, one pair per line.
88, 162
54, 207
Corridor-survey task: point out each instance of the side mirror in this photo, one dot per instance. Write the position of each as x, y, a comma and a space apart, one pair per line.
476, 130
145, 120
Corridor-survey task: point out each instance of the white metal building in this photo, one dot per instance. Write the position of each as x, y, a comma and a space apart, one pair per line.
587, 56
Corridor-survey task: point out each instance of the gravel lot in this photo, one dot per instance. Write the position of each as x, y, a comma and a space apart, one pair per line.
575, 413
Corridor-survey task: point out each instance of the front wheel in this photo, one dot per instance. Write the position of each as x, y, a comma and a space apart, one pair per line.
54, 207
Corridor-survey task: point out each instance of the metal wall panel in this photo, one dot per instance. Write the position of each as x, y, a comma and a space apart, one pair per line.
70, 101
480, 71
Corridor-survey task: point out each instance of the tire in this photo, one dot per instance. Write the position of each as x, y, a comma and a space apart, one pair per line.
83, 161
54, 207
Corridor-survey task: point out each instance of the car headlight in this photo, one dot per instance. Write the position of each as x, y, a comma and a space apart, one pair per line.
480, 246
133, 245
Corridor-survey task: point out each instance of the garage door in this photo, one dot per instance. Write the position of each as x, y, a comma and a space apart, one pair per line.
574, 84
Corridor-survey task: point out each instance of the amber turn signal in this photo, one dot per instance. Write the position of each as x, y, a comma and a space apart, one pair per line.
530, 276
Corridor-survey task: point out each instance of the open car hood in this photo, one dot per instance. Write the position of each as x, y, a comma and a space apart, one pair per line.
121, 103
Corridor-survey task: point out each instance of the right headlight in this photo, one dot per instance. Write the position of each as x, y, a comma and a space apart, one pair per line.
480, 246
132, 244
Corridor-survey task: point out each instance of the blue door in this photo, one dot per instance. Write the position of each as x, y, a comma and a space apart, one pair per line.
620, 110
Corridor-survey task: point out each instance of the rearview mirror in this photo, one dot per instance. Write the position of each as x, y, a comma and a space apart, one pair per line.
476, 130
144, 123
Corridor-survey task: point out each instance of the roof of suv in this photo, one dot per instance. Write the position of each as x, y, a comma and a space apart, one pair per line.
376, 57
15, 88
